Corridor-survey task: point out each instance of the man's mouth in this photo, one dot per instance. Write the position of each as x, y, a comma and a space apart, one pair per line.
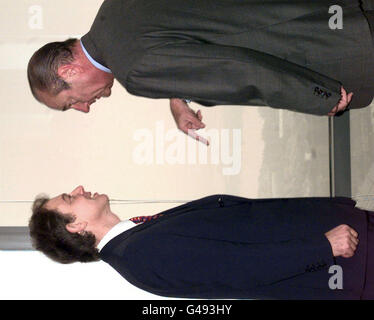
91, 196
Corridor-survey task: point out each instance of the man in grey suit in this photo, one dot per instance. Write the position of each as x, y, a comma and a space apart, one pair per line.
282, 54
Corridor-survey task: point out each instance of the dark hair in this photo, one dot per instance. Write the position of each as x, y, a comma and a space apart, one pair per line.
49, 235
43, 66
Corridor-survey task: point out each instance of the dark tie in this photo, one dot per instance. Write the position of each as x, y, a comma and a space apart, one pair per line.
141, 219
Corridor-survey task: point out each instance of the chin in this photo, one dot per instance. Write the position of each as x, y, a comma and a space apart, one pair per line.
104, 198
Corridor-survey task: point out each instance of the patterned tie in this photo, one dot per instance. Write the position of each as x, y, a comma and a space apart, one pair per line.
141, 219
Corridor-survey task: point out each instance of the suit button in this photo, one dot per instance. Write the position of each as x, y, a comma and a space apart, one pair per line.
220, 202
321, 265
326, 94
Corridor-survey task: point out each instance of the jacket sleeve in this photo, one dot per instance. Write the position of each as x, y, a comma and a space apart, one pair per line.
214, 74
182, 262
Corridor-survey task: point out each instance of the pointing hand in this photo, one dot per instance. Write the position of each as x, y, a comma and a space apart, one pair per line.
187, 120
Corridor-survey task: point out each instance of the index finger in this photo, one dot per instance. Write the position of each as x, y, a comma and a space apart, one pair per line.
194, 120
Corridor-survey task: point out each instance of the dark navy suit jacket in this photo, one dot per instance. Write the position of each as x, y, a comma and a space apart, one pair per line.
223, 246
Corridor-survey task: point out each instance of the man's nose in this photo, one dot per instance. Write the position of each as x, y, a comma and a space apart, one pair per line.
107, 93
83, 107
78, 190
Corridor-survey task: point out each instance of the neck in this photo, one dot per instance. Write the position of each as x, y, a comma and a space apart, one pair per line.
108, 222
88, 61
80, 57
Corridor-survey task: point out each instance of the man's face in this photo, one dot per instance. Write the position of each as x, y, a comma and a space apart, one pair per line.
85, 89
85, 207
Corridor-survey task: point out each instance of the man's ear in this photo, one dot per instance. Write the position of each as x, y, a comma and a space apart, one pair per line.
68, 71
76, 227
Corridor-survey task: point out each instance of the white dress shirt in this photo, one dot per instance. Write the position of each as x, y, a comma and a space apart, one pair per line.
94, 62
120, 227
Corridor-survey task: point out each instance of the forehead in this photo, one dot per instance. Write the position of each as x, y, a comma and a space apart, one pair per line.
56, 202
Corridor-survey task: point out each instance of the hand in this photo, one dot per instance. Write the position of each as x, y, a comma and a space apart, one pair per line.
343, 240
343, 102
187, 120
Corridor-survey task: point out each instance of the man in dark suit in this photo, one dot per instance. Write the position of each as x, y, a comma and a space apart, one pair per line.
282, 54
219, 246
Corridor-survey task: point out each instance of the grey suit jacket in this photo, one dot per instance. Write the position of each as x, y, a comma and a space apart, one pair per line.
244, 52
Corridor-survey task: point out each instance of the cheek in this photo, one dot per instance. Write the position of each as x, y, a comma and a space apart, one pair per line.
82, 91
83, 207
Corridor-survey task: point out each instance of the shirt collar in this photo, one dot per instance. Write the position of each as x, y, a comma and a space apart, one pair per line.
95, 63
115, 231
